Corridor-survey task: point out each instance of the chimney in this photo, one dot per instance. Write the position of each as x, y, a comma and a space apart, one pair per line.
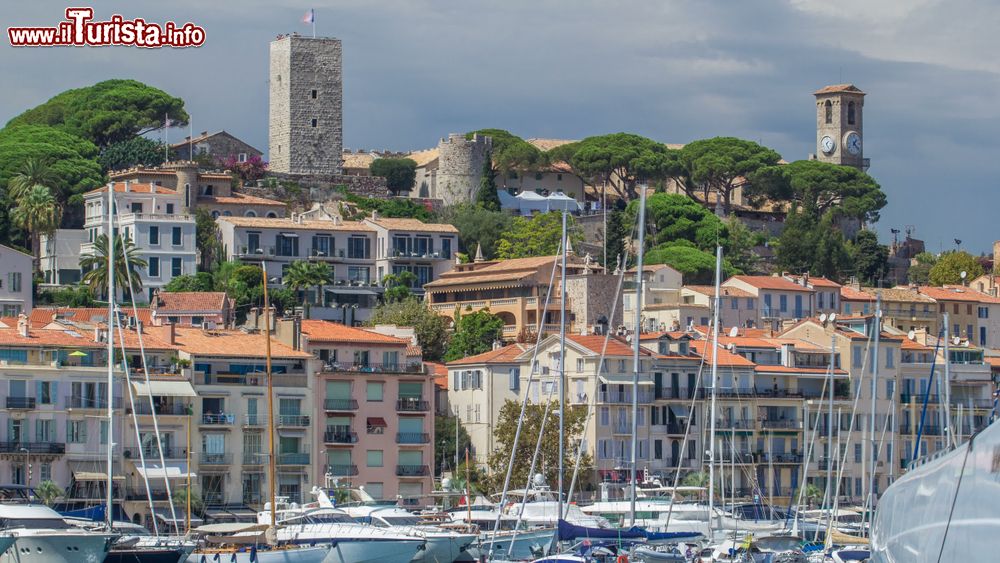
128, 186
22, 325
171, 333
375, 216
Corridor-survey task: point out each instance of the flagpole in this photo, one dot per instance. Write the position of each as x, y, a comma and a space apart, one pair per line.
166, 140
190, 138
314, 23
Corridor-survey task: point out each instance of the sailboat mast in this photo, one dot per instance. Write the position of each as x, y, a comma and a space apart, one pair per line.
635, 348
946, 430
829, 424
562, 368
109, 394
874, 388
715, 374
187, 513
270, 399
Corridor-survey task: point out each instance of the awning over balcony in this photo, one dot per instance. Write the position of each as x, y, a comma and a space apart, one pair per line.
290, 235
679, 411
170, 472
164, 388
376, 421
94, 476
623, 380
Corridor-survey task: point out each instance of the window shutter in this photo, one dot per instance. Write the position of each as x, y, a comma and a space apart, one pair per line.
83, 431
52, 431
39, 428
69, 432
454, 380
38, 393
54, 392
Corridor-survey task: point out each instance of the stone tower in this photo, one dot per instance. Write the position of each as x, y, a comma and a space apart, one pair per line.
305, 121
839, 125
460, 167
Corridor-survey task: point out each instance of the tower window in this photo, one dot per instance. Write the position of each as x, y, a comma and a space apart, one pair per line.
313, 94
850, 113
829, 111
314, 123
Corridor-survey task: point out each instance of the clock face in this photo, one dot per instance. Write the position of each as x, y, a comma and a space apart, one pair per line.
827, 144
853, 143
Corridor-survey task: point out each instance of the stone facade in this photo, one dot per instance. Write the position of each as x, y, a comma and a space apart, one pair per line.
219, 145
306, 105
839, 122
592, 298
321, 187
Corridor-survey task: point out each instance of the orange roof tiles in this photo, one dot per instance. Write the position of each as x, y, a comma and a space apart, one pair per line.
673, 335
403, 224
723, 357
230, 343
914, 345
505, 355
239, 199
194, 301
725, 291
770, 282
41, 316
793, 370
957, 293
595, 344
747, 342
49, 337
848, 293
440, 373
135, 187
327, 331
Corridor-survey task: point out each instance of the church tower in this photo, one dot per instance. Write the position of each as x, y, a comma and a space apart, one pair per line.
839, 125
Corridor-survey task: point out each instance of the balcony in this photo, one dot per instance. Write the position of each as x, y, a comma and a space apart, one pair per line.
220, 419
152, 453
412, 471
679, 393
736, 424
293, 420
255, 253
254, 420
778, 394
342, 470
825, 464
412, 404
340, 405
919, 398
791, 458
168, 409
205, 458
734, 392
413, 438
25, 403
140, 494
293, 458
614, 397
782, 424
251, 379
402, 254
254, 458
171, 217
327, 254
622, 428
373, 367
340, 435
927, 430
32, 447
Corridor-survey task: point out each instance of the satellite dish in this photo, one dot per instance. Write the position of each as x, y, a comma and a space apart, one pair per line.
734, 332
956, 341
833, 317
822, 317
912, 335
963, 274
730, 347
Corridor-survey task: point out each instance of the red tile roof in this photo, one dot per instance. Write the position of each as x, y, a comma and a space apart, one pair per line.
505, 355
41, 316
440, 373
848, 293
229, 343
789, 369
726, 291
770, 282
595, 344
957, 293
914, 345
134, 187
673, 335
327, 331
238, 199
723, 357
190, 301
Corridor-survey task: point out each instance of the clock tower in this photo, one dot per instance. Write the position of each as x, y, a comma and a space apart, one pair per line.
839, 125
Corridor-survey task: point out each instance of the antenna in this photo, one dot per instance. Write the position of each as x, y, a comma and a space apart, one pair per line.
734, 332
957, 340
822, 318
912, 335
730, 347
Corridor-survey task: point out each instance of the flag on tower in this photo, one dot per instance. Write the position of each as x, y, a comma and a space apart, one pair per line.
310, 16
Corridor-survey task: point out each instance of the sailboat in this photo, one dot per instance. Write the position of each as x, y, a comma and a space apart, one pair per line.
258, 543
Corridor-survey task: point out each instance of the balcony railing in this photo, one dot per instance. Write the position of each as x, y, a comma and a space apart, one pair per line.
33, 447
927, 430
258, 253
217, 419
412, 471
255, 420
340, 405
408, 404
327, 253
297, 420
206, 458
729, 392
907, 398
254, 458
74, 402
679, 393
736, 424
154, 453
340, 436
374, 367
20, 402
342, 470
781, 458
778, 394
615, 397
139, 494
293, 458
673, 427
413, 438
166, 409
780, 424
622, 428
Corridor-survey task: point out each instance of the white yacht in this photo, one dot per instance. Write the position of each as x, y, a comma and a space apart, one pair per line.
352, 542
541, 508
442, 545
526, 543
40, 535
652, 507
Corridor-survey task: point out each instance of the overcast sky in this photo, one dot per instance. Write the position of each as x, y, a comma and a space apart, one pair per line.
673, 70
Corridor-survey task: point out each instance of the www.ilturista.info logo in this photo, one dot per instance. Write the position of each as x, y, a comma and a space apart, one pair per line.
78, 31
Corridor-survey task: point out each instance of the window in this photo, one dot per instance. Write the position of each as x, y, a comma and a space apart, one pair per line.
968, 332
15, 282
890, 387
313, 94
170, 209
175, 237
850, 113
605, 416
514, 376
856, 357
253, 241
374, 458
857, 453
819, 299
783, 303
287, 244
44, 472
750, 303
46, 392
175, 266
984, 313
446, 248
136, 207
734, 302
359, 247
314, 122
828, 110
358, 274
76, 431
579, 365
982, 336
104, 432
375, 391
154, 235
889, 358
154, 266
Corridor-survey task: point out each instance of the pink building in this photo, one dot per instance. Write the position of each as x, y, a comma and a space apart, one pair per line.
377, 403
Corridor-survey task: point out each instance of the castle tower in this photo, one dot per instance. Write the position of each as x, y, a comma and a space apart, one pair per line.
839, 125
460, 167
187, 182
305, 120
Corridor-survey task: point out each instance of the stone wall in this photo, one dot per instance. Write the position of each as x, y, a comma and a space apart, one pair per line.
305, 129
319, 188
219, 146
592, 296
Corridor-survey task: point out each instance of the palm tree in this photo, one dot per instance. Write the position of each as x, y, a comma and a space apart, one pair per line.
37, 213
96, 265
302, 275
33, 173
812, 494
48, 492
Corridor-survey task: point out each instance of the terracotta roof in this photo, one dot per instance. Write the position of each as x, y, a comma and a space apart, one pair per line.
327, 331
399, 224
49, 337
194, 301
817, 281
957, 293
504, 270
238, 199
770, 282
357, 159
725, 291
595, 344
839, 88
41, 316
994, 361
207, 135
789, 369
672, 334
650, 268
423, 158
230, 343
914, 345
723, 357
747, 342
505, 355
440, 373
414, 351
848, 293
135, 187
288, 224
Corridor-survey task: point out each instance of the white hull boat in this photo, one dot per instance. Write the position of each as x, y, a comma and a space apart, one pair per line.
40, 535
305, 554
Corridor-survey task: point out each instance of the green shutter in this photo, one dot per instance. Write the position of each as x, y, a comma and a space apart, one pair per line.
411, 389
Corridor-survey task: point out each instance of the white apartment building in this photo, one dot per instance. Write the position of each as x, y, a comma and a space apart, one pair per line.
15, 282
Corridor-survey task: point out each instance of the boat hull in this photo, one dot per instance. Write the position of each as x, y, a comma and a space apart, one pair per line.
528, 544
316, 554
154, 555
373, 551
443, 549
57, 548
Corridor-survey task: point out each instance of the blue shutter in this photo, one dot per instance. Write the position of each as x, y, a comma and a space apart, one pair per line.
54, 391
52, 431
38, 392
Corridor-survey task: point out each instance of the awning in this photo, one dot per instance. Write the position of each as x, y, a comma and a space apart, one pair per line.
623, 380
94, 476
679, 411
290, 235
181, 520
376, 421
231, 528
170, 472
164, 389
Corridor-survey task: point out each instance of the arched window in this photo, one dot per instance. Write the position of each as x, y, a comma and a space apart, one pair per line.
850, 113
227, 213
272, 215
829, 111
250, 213
215, 215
